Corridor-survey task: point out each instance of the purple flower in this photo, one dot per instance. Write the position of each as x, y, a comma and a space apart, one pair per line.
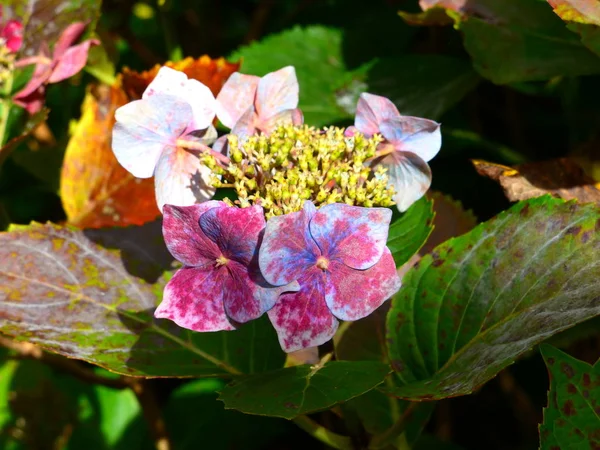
248, 103
409, 143
220, 284
339, 257
163, 135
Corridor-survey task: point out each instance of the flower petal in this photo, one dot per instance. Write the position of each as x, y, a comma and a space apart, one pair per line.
67, 38
413, 134
353, 294
144, 128
352, 234
371, 111
193, 299
71, 61
247, 295
13, 34
183, 235
236, 231
287, 249
197, 95
302, 319
277, 91
246, 126
180, 179
410, 176
287, 117
235, 97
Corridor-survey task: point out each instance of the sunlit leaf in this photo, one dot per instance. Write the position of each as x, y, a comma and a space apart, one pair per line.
298, 390
582, 17
571, 420
561, 177
62, 290
479, 301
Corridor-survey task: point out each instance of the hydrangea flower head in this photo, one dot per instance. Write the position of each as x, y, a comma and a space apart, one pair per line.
248, 103
339, 257
163, 135
220, 284
410, 142
66, 60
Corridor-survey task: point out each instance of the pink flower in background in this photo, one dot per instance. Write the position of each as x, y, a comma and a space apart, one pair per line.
11, 33
410, 142
339, 257
248, 103
220, 284
66, 60
163, 134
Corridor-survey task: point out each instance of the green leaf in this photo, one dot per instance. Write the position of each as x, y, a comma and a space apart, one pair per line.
572, 418
518, 40
44, 20
62, 290
328, 90
423, 85
410, 230
305, 389
481, 300
194, 418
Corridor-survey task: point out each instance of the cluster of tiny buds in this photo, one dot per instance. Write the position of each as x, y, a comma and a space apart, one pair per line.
297, 163
7, 59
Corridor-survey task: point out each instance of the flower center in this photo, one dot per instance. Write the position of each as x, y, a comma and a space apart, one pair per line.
322, 263
221, 261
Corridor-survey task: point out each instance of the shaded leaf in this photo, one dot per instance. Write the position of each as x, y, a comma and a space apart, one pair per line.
561, 177
44, 20
316, 54
410, 230
19, 129
298, 390
481, 300
422, 85
513, 40
63, 291
572, 418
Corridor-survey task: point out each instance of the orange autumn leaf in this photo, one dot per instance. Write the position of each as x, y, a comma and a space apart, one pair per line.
95, 190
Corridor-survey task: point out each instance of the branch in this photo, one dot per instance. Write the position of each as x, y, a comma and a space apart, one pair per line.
324, 435
384, 439
145, 395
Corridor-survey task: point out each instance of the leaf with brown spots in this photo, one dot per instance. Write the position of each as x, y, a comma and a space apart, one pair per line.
479, 301
91, 295
572, 418
305, 389
560, 177
95, 190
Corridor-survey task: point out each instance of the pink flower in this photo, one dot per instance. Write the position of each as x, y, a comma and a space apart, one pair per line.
409, 143
339, 257
11, 33
66, 60
220, 284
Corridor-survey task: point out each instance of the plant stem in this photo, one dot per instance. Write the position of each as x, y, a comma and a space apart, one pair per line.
397, 429
324, 435
5, 109
191, 145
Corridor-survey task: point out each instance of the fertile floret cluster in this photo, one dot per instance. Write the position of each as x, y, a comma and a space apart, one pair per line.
297, 163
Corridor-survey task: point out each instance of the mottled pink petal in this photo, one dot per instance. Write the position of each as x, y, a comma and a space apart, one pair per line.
302, 319
221, 146
353, 294
197, 95
71, 62
193, 299
180, 179
247, 295
236, 231
246, 126
410, 176
286, 117
354, 235
67, 38
183, 236
145, 128
371, 111
41, 73
277, 91
413, 134
13, 34
235, 97
32, 102
287, 249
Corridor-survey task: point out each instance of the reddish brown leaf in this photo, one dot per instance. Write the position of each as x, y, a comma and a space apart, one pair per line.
560, 177
96, 191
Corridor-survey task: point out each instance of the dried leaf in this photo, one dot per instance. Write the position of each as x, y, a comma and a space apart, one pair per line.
560, 177
96, 191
